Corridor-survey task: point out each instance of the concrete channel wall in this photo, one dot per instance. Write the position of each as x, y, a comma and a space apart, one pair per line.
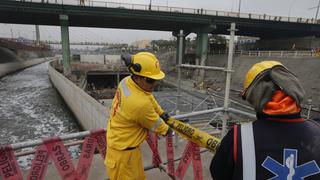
89, 112
6, 68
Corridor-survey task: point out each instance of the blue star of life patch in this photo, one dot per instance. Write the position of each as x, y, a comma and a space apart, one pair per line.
289, 170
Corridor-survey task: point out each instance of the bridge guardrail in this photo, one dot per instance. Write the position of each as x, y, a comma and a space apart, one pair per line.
284, 54
200, 11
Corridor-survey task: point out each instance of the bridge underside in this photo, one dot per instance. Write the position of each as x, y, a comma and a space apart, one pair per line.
48, 14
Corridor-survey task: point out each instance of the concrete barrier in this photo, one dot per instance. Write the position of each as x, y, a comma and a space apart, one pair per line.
89, 112
113, 59
92, 58
100, 59
7, 68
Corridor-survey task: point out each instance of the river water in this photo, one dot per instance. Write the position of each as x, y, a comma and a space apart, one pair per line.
31, 108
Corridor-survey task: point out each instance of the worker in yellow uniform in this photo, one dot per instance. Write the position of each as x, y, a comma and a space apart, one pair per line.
133, 113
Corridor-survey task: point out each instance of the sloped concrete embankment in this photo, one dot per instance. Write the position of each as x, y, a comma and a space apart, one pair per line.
11, 62
89, 112
6, 68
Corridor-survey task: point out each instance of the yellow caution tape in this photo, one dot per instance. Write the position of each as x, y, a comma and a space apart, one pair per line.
195, 135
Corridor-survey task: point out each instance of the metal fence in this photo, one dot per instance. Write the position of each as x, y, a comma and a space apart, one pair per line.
294, 54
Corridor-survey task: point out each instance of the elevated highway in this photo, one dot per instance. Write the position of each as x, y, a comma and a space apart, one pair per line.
180, 21
135, 16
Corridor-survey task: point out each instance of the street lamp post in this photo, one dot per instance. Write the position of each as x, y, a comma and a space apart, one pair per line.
150, 4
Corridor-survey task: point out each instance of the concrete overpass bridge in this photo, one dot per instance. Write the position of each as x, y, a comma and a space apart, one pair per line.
162, 18
136, 16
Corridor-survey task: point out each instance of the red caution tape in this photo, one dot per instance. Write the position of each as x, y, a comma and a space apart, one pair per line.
9, 168
196, 161
170, 155
185, 161
191, 152
61, 158
156, 160
86, 156
39, 164
97, 139
100, 136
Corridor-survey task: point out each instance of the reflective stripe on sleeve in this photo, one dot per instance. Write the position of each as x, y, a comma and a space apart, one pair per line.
157, 124
125, 88
248, 152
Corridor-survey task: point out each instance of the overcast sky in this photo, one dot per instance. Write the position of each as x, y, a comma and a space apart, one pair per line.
293, 8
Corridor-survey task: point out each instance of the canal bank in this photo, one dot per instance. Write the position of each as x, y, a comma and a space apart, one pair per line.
10, 67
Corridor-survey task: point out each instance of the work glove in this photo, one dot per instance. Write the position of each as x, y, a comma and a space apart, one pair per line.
169, 132
165, 116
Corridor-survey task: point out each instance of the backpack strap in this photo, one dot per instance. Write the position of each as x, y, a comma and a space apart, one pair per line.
248, 152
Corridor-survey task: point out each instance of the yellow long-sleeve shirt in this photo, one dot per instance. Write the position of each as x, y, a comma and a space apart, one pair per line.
134, 112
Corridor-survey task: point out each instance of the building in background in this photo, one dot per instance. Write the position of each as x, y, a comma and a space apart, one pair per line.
142, 44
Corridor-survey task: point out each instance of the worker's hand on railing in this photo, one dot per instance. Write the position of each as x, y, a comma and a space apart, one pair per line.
169, 132
165, 116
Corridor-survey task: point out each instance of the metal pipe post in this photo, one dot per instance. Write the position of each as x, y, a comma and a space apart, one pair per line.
204, 54
203, 67
180, 53
118, 77
228, 78
65, 44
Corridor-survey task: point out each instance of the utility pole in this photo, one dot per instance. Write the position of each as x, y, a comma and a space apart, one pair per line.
150, 5
316, 17
239, 7
317, 10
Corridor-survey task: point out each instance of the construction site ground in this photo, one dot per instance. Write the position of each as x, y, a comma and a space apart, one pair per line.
305, 68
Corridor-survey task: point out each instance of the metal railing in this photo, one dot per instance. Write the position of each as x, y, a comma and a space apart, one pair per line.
294, 54
24, 149
200, 11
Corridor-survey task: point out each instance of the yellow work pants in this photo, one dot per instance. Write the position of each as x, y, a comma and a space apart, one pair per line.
124, 165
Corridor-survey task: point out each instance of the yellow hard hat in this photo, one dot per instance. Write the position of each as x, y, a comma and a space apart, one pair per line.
256, 70
146, 64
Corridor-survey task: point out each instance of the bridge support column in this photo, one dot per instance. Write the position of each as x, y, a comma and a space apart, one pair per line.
180, 55
37, 35
65, 44
201, 53
181, 44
